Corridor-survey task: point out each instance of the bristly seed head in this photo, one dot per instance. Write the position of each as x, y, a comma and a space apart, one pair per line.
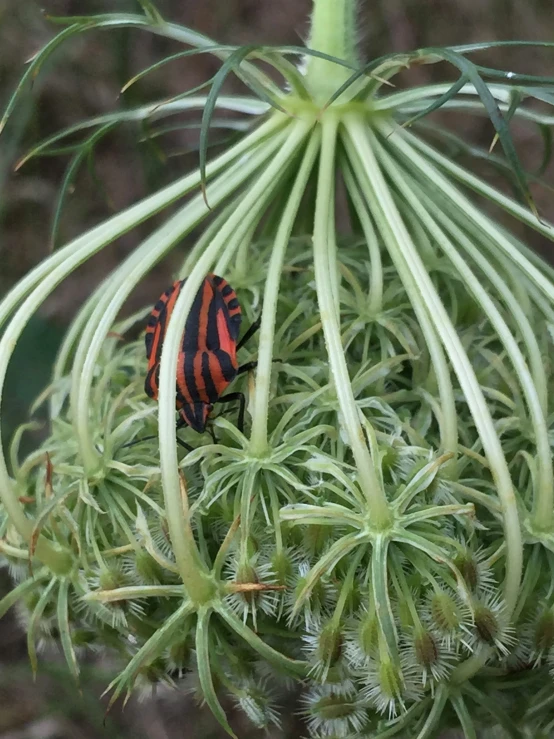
543, 632
334, 710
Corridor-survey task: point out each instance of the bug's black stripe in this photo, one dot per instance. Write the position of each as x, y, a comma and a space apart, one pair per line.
212, 336
211, 390
190, 379
148, 341
228, 370
190, 335
227, 290
233, 303
153, 373
217, 280
162, 322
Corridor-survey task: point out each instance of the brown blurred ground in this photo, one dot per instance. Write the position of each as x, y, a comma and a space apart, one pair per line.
83, 80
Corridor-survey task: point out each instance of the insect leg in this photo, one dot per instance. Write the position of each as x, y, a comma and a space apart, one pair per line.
148, 438
250, 332
230, 398
251, 365
247, 367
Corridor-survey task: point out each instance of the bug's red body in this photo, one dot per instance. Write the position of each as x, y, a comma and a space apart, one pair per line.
208, 357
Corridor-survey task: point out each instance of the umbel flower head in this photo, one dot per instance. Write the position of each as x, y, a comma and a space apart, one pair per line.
379, 533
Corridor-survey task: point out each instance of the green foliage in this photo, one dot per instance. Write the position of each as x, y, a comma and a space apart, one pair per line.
381, 533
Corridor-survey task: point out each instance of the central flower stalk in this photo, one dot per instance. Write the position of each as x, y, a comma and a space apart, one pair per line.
333, 32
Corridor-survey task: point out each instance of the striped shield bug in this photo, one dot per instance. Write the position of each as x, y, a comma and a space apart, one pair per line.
207, 361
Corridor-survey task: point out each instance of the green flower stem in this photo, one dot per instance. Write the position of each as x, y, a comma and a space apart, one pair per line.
258, 436
420, 95
369, 483
248, 502
408, 262
544, 495
333, 32
449, 424
111, 297
194, 580
285, 664
464, 716
507, 293
406, 144
375, 302
135, 592
243, 234
381, 597
434, 715
208, 233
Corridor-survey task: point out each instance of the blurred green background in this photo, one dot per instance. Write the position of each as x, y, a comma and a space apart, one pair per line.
83, 79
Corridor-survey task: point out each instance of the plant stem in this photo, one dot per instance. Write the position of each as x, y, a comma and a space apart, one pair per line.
369, 483
258, 437
449, 423
333, 32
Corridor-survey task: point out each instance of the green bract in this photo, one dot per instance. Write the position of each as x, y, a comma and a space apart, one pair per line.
383, 531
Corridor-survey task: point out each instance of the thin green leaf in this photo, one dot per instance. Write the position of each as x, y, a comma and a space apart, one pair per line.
64, 628
327, 564
45, 513
172, 58
516, 98
388, 64
151, 12
438, 102
546, 133
159, 641
34, 624
70, 175
23, 589
231, 63
499, 122
421, 481
461, 147
34, 68
248, 73
205, 670
486, 45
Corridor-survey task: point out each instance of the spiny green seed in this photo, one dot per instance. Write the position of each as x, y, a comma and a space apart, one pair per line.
543, 636
426, 649
390, 679
467, 564
179, 653
333, 707
282, 567
486, 624
330, 644
368, 634
110, 579
147, 568
444, 612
